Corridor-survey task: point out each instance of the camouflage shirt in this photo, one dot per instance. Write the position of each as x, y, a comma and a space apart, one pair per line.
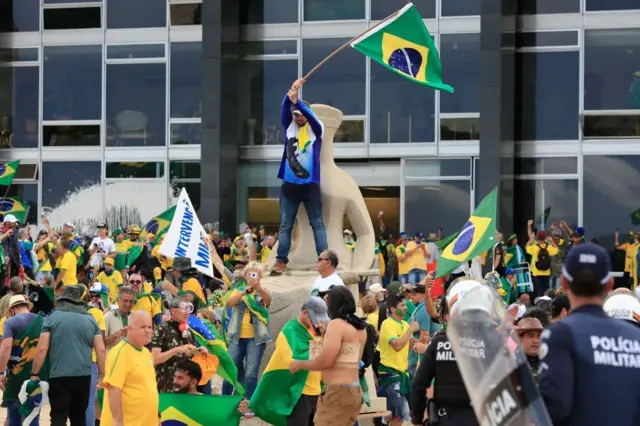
167, 337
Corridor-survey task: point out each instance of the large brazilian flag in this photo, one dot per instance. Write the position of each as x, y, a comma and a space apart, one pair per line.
158, 226
475, 237
278, 390
402, 43
179, 409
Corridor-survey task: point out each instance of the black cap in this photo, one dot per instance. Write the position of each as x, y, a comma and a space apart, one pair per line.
559, 303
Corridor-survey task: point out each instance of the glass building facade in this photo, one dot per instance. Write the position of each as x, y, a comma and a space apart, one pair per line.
113, 105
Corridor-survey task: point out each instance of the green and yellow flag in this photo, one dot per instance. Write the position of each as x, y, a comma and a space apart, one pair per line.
7, 171
402, 43
635, 217
199, 410
15, 206
278, 390
443, 243
158, 226
475, 237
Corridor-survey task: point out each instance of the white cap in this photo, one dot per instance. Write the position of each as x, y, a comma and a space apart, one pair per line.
348, 232
376, 288
625, 306
69, 224
460, 289
10, 219
96, 288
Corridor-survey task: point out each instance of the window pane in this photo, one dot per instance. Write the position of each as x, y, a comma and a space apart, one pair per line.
545, 166
459, 129
460, 55
184, 170
461, 7
70, 1
401, 110
193, 190
547, 87
611, 126
136, 13
185, 134
136, 105
350, 131
600, 5
19, 107
541, 7
610, 188
437, 168
611, 78
133, 202
186, 79
18, 55
267, 83
268, 11
547, 38
19, 15
72, 83
28, 193
333, 10
186, 14
72, 18
71, 192
340, 83
380, 9
71, 135
270, 47
135, 170
453, 199
135, 51
27, 171
535, 197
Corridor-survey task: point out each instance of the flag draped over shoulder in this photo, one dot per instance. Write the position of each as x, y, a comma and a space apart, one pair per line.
475, 237
199, 410
278, 390
158, 226
250, 302
403, 44
8, 171
208, 336
15, 206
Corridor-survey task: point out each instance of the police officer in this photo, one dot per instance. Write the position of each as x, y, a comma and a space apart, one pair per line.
624, 305
590, 371
451, 404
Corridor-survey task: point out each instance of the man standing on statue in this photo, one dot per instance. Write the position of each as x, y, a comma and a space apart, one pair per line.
300, 174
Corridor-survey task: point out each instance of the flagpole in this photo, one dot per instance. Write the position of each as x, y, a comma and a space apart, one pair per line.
344, 46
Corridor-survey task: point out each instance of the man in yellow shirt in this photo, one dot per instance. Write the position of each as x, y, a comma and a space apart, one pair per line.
265, 248
403, 260
111, 278
416, 258
541, 251
98, 315
122, 249
144, 301
396, 336
68, 265
44, 254
629, 248
131, 396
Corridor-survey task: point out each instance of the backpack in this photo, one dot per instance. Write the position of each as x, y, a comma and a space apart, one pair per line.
543, 261
369, 348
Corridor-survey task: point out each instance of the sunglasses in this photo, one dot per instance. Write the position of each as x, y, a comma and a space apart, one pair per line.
320, 259
135, 281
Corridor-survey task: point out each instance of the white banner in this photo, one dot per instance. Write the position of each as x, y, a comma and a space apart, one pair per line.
185, 237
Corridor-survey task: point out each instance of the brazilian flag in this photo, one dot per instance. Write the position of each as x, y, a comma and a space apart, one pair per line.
181, 409
475, 238
15, 206
402, 43
7, 171
635, 217
158, 226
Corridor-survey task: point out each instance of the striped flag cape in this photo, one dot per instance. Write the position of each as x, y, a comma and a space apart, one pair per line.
207, 336
278, 390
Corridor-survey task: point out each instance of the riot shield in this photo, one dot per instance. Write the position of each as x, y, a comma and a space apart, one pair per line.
495, 371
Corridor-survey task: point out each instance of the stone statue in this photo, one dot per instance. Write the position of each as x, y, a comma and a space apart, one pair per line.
340, 197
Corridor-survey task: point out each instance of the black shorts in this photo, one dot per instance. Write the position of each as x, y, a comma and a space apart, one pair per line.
303, 412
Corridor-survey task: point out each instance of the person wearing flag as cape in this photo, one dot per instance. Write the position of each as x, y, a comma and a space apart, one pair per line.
20, 338
248, 328
282, 398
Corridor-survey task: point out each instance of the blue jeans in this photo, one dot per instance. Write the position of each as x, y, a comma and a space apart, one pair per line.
246, 356
291, 196
14, 417
555, 282
91, 407
397, 403
403, 278
417, 275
